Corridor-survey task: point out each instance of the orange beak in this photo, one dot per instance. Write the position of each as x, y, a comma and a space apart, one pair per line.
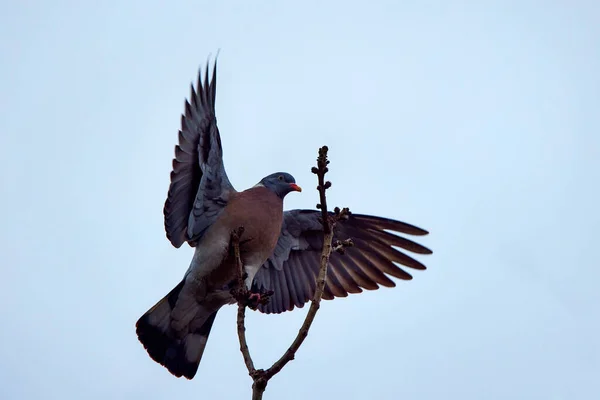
295, 187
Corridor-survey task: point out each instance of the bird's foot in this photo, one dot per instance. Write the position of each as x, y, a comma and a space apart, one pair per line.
253, 300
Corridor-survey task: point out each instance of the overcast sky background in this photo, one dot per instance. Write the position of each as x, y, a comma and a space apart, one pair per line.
479, 121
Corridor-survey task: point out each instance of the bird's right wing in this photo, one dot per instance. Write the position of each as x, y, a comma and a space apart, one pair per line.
291, 272
199, 187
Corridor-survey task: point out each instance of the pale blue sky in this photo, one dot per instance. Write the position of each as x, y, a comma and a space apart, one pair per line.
478, 121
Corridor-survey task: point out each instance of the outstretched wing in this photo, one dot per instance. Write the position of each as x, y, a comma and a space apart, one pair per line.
199, 187
291, 271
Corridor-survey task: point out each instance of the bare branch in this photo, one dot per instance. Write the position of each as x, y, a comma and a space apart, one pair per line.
328, 228
241, 294
259, 376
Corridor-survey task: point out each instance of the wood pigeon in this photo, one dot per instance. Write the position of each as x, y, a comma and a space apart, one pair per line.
280, 250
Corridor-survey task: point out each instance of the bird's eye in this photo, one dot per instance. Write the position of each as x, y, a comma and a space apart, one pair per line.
280, 177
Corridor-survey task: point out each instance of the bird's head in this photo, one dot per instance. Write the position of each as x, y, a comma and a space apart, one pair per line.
281, 183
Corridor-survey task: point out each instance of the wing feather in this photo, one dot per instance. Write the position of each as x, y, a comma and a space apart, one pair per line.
293, 296
347, 284
350, 265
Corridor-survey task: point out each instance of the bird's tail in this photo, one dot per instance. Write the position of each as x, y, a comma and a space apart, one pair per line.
178, 348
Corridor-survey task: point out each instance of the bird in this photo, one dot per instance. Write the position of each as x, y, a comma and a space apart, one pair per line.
280, 250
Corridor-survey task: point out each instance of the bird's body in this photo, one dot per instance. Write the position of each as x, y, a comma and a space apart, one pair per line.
261, 231
182, 315
279, 250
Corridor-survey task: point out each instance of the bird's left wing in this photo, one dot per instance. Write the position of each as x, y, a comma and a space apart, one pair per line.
199, 187
291, 271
